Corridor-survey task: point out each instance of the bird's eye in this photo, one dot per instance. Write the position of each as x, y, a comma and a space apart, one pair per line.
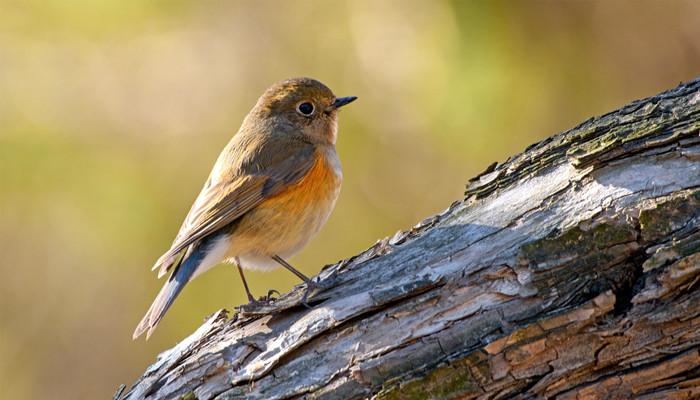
305, 108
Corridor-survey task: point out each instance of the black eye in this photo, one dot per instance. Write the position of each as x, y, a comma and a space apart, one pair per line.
305, 108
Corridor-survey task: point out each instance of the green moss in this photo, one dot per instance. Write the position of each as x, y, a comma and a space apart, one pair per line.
525, 334
482, 370
644, 130
475, 358
188, 396
669, 216
578, 242
676, 250
441, 383
596, 145
626, 132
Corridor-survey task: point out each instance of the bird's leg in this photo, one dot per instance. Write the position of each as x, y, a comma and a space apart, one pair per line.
251, 299
301, 276
309, 283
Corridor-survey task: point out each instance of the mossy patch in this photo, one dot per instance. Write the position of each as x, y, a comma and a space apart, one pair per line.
441, 383
575, 242
676, 250
669, 216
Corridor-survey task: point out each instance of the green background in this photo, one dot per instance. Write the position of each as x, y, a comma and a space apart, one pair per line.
112, 114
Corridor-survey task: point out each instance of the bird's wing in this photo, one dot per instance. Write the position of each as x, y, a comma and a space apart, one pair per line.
223, 202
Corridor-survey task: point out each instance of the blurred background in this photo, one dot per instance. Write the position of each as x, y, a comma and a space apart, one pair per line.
113, 113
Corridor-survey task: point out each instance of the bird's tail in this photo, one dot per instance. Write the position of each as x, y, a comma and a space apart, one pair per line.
183, 272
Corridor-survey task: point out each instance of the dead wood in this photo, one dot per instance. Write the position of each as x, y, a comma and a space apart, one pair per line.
570, 271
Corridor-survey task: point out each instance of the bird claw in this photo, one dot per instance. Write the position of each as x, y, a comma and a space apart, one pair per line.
265, 299
268, 298
311, 285
262, 300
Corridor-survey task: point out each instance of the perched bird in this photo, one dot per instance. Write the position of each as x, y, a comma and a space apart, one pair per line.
270, 191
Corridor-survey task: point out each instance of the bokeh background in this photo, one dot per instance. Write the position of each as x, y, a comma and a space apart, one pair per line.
113, 113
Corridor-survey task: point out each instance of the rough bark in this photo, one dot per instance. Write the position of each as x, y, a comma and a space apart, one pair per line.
570, 271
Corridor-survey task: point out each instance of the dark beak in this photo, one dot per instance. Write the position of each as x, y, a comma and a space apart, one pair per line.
339, 102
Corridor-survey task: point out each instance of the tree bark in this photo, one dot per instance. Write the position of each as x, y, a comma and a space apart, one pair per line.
570, 271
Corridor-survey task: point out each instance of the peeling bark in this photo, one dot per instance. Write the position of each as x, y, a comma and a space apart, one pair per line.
570, 271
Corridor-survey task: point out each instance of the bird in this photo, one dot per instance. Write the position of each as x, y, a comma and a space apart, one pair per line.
271, 190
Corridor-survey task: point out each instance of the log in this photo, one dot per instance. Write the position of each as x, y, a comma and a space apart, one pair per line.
571, 270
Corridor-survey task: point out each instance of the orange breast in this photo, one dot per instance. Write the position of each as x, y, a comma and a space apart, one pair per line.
319, 184
284, 224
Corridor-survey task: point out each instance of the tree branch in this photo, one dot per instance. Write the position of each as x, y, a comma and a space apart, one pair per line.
570, 270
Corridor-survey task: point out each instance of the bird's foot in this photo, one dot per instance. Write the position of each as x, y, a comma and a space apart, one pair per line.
268, 297
263, 299
312, 285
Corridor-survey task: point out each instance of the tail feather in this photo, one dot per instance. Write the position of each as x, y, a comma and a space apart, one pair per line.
182, 273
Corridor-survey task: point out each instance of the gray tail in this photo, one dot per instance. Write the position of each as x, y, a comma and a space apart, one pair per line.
182, 273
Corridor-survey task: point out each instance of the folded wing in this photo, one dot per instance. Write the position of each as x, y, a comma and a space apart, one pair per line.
221, 203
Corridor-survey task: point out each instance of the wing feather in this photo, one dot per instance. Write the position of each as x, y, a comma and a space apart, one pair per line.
221, 203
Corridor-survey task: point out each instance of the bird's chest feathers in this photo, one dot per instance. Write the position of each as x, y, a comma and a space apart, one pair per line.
316, 193
284, 223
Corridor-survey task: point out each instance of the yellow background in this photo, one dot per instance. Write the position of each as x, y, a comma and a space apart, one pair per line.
113, 113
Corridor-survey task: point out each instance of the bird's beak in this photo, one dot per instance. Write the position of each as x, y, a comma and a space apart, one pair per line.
339, 102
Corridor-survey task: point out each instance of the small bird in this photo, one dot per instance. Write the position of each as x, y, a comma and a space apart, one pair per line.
270, 191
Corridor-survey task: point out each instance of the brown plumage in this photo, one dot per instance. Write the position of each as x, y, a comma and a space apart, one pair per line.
270, 191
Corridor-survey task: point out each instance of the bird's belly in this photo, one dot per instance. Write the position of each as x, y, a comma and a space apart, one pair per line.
282, 225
